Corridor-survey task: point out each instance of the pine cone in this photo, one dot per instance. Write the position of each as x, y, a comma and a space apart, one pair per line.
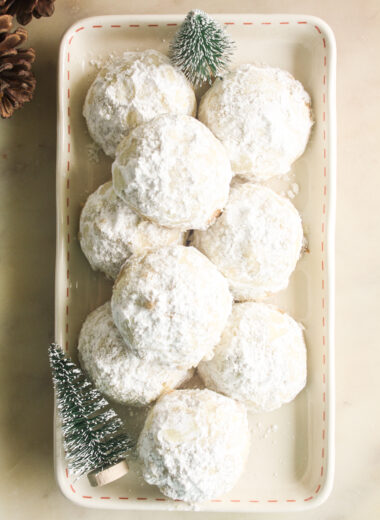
17, 82
24, 10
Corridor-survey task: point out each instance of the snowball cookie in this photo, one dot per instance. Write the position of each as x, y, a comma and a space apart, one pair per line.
171, 305
130, 90
173, 171
260, 360
110, 232
114, 370
194, 444
255, 243
262, 116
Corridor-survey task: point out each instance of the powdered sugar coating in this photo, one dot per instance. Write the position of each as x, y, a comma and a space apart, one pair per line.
194, 444
171, 306
262, 116
173, 171
260, 360
256, 242
110, 232
132, 89
114, 370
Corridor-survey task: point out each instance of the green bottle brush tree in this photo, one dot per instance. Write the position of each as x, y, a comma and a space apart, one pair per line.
93, 437
201, 48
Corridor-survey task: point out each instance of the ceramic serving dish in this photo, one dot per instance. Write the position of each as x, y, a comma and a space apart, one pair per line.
291, 462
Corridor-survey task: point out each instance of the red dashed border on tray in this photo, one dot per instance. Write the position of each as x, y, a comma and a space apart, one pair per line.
323, 126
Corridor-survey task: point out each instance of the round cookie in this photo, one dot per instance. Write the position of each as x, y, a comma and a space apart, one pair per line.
262, 116
110, 232
173, 171
130, 90
255, 243
194, 444
171, 306
260, 360
114, 370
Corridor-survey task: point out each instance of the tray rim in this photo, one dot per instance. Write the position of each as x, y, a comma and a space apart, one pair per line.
327, 32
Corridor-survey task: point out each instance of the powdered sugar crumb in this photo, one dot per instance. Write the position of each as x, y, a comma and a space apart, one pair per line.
305, 245
93, 152
294, 189
273, 428
262, 432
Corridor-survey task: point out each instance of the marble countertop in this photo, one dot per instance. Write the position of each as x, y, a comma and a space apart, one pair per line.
27, 254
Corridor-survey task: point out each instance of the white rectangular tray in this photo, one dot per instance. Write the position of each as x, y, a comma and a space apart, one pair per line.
292, 456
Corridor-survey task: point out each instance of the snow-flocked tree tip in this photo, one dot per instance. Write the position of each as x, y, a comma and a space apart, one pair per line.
201, 48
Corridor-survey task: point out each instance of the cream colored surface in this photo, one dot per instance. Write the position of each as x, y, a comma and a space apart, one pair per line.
27, 247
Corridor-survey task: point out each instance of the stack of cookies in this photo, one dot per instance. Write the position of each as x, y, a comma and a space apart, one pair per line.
194, 242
